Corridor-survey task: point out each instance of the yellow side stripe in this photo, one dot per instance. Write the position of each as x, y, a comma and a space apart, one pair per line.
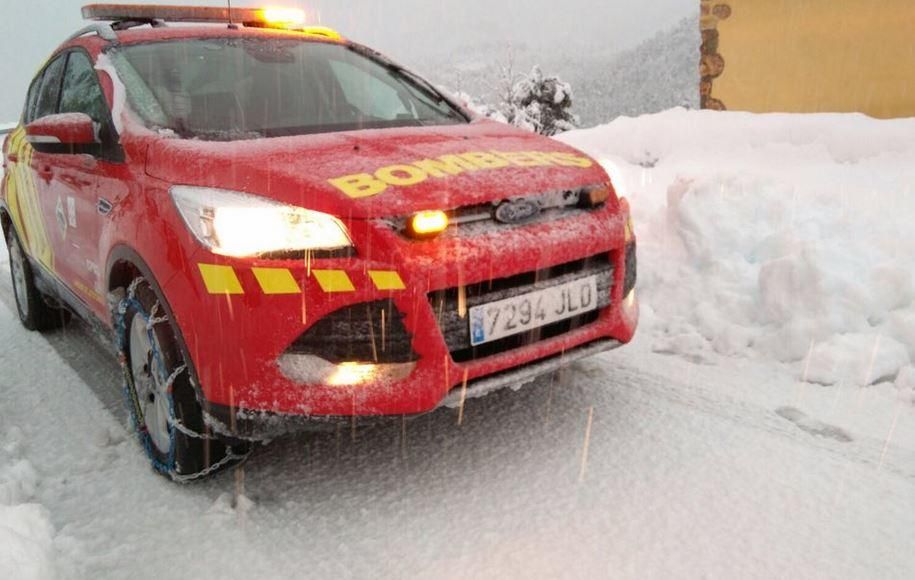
25, 207
220, 279
387, 280
276, 281
332, 281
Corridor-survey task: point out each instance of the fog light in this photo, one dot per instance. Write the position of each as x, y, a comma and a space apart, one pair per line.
350, 374
314, 370
630, 300
427, 224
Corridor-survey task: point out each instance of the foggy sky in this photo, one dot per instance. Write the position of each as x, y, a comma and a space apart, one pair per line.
404, 29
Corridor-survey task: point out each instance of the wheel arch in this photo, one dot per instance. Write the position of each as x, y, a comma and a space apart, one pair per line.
125, 265
6, 221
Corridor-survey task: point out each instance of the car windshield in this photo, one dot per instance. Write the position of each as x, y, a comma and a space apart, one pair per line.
241, 88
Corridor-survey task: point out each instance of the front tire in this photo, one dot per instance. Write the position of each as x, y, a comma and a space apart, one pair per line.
34, 311
160, 395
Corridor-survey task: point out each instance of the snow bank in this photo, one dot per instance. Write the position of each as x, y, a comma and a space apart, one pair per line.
785, 237
26, 533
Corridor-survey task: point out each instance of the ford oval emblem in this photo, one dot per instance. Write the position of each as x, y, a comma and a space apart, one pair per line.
517, 211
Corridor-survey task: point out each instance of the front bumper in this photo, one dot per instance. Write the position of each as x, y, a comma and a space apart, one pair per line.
240, 317
266, 425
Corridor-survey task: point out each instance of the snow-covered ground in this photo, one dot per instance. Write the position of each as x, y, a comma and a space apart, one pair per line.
761, 425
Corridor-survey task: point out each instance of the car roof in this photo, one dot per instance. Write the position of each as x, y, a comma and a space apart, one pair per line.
139, 35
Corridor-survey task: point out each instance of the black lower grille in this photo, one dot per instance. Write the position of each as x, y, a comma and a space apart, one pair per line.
371, 332
456, 328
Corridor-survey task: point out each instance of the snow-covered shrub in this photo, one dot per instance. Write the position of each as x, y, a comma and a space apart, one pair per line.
535, 102
541, 104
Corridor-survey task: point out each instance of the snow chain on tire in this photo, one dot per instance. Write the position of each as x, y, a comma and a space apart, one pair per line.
154, 317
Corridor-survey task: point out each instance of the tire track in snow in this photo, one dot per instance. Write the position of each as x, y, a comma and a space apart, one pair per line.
655, 383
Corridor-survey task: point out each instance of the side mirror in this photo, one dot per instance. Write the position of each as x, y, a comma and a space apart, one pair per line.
65, 133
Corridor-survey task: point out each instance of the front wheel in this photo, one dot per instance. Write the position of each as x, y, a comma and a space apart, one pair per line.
160, 395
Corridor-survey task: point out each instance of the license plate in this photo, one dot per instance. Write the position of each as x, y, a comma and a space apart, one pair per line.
496, 320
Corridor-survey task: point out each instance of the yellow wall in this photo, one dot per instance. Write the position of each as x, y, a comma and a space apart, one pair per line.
818, 56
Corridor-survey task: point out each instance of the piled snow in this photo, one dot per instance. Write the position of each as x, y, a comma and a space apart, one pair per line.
26, 533
905, 383
783, 237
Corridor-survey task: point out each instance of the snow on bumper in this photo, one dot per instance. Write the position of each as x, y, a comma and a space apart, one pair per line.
373, 330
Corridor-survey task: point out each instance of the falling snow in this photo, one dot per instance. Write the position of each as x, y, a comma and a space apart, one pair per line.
776, 259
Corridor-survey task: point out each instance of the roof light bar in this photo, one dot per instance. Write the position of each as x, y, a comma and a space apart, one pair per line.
291, 18
283, 17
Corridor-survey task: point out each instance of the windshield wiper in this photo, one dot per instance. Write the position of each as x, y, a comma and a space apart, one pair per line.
414, 81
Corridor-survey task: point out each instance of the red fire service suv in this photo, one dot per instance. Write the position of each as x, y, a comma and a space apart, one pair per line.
282, 228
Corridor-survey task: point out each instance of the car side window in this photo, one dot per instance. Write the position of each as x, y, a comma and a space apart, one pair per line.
81, 91
49, 93
32, 100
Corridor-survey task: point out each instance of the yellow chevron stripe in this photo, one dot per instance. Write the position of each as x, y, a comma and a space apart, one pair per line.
220, 279
387, 280
333, 281
276, 281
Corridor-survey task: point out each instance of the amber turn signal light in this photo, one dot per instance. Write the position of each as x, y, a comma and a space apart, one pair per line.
595, 196
427, 224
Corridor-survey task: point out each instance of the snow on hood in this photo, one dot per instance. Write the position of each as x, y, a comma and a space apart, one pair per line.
303, 170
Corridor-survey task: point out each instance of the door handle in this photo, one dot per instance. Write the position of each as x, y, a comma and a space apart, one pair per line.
46, 172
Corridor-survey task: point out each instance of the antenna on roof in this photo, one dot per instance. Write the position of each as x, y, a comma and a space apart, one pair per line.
232, 25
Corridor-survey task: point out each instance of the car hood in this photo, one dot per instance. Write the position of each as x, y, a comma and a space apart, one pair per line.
336, 173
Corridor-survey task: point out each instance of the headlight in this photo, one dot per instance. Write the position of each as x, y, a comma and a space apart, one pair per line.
241, 225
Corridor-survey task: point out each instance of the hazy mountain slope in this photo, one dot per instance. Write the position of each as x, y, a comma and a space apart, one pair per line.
659, 74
